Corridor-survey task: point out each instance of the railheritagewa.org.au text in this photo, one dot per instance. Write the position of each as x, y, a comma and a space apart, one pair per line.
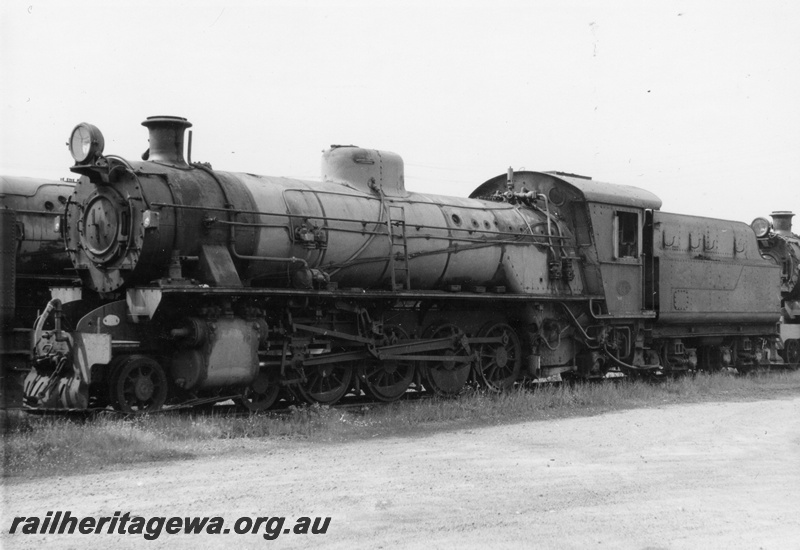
126, 524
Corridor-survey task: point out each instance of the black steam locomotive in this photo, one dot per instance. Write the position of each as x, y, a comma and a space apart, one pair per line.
781, 246
32, 259
201, 284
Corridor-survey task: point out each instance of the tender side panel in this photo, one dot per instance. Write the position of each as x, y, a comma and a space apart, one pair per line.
710, 271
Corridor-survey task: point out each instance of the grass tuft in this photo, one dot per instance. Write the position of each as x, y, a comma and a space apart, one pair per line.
36, 444
42, 446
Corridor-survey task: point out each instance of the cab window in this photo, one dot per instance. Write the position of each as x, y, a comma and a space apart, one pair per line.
626, 228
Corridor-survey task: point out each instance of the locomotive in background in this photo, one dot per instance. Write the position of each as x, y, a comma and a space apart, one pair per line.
779, 244
201, 284
32, 259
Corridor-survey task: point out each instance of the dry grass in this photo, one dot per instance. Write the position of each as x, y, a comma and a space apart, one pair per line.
36, 446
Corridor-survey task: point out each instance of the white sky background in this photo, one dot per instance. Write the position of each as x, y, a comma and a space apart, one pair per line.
698, 102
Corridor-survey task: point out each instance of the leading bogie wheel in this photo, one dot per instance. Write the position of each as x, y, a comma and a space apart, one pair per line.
138, 384
499, 363
261, 394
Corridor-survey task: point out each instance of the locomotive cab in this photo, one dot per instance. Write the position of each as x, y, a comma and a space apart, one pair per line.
615, 217
608, 223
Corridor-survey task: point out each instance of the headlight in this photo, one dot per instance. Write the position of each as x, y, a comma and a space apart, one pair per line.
761, 227
85, 143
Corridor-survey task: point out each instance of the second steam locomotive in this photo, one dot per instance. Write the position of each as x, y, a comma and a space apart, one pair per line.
32, 259
201, 284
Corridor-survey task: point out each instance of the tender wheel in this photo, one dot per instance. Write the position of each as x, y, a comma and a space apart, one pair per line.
499, 364
326, 384
389, 380
138, 384
446, 378
791, 352
261, 394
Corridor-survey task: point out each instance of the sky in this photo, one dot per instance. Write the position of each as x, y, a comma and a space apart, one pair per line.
695, 101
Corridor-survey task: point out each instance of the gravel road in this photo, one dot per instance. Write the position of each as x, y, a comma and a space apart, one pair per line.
713, 475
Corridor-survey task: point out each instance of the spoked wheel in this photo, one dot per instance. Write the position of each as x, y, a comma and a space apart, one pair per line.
261, 394
791, 351
326, 384
499, 363
447, 378
138, 384
388, 380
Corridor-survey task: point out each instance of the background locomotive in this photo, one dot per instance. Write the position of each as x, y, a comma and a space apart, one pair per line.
779, 244
32, 259
210, 283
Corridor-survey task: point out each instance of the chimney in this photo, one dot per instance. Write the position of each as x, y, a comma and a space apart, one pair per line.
782, 222
166, 138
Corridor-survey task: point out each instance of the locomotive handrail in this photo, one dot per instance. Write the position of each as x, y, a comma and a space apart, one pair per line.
377, 294
246, 257
450, 249
38, 212
347, 220
284, 226
408, 200
246, 224
529, 236
643, 314
518, 238
39, 277
289, 260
